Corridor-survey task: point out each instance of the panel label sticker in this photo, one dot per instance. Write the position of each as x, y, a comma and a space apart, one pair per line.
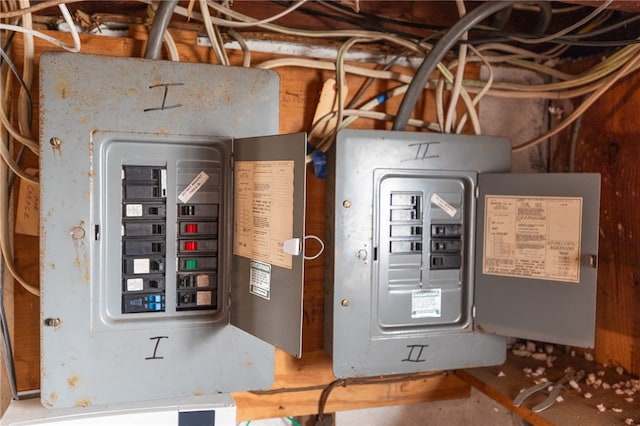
533, 237
193, 187
263, 201
426, 303
446, 207
141, 266
134, 210
260, 279
28, 210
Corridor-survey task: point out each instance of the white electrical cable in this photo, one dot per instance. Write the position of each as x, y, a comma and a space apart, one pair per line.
482, 93
27, 74
583, 107
75, 47
174, 55
317, 255
237, 24
457, 86
28, 142
566, 30
214, 34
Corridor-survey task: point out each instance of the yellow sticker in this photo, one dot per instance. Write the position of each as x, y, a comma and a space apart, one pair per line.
533, 237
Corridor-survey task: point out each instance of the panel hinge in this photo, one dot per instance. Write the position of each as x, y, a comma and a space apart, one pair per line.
231, 161
477, 192
473, 311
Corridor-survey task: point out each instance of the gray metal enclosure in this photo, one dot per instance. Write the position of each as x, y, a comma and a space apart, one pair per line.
139, 290
406, 288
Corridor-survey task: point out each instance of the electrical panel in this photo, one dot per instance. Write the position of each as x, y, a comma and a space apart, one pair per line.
172, 230
439, 252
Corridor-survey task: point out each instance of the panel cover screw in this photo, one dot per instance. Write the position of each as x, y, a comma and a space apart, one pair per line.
346, 204
344, 302
77, 233
52, 322
55, 142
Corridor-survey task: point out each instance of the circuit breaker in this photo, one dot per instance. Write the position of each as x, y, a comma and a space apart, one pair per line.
172, 230
439, 252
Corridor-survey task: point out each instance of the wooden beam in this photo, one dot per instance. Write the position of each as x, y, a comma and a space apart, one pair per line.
299, 384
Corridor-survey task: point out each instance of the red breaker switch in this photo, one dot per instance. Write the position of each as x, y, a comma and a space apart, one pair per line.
191, 228
190, 246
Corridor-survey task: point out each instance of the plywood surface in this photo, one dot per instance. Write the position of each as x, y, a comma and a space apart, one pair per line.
300, 384
612, 401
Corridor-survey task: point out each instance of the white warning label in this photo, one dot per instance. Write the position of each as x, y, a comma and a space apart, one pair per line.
260, 279
533, 237
426, 303
446, 207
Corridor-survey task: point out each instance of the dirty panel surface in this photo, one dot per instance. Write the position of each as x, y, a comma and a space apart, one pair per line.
90, 355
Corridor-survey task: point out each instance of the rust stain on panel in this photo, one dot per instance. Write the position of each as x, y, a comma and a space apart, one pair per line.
81, 261
73, 381
85, 402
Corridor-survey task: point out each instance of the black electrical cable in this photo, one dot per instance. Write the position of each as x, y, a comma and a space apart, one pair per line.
579, 43
158, 28
5, 58
496, 27
602, 43
430, 62
603, 30
347, 20
7, 350
14, 70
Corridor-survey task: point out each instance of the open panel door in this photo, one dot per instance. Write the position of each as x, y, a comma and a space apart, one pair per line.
536, 256
268, 235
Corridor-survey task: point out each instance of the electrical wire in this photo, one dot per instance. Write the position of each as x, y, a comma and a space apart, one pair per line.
16, 74
253, 23
583, 106
246, 52
462, 58
159, 27
568, 29
7, 348
5, 244
357, 381
332, 34
482, 92
214, 34
435, 56
27, 72
75, 47
174, 55
357, 19
604, 30
36, 8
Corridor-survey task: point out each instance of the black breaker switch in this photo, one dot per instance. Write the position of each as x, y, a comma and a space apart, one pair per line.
446, 246
143, 241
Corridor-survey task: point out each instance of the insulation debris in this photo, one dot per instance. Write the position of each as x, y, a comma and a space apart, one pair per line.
540, 356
